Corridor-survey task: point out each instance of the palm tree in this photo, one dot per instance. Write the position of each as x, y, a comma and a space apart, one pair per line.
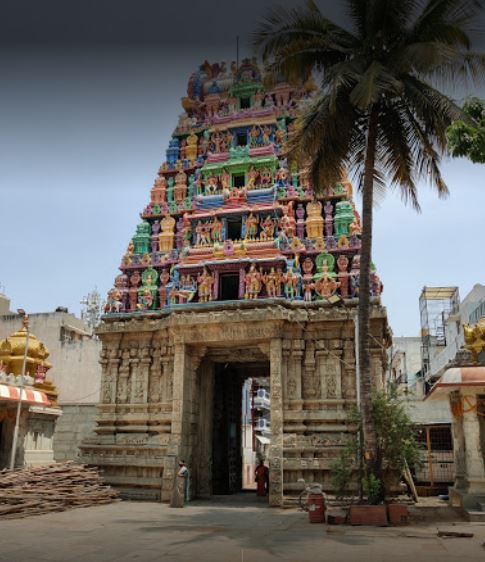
379, 112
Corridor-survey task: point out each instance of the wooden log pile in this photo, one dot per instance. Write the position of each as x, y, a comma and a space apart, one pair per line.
57, 487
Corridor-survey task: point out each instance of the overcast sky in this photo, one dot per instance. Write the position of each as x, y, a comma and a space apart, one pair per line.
89, 97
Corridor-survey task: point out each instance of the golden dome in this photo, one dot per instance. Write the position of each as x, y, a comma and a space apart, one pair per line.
12, 351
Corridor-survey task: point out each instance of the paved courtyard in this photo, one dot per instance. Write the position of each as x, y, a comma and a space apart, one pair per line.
229, 531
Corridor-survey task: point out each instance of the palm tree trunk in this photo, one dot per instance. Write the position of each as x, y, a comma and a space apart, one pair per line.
368, 426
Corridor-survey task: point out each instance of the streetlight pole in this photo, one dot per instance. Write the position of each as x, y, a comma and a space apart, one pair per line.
21, 389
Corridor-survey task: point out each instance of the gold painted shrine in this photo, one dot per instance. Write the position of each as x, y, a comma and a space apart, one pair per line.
236, 270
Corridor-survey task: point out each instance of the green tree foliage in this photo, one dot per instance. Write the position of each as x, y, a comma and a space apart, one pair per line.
379, 112
467, 137
396, 446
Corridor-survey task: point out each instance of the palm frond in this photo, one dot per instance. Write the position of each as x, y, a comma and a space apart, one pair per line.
282, 27
439, 17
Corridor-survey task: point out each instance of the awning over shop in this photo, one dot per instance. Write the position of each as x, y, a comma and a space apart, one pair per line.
263, 440
29, 395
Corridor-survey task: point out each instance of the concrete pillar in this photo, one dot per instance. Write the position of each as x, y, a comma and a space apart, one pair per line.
473, 454
276, 447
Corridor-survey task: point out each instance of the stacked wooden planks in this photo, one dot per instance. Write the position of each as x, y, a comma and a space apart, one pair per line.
57, 487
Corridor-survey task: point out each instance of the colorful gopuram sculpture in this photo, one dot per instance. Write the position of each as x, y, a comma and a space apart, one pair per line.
228, 200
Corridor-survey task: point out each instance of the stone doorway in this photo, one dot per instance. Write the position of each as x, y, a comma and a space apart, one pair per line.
217, 453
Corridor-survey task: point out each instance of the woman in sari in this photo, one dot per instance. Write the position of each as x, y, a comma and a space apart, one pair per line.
181, 487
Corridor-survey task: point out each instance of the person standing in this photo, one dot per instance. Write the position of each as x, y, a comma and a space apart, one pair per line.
180, 492
262, 479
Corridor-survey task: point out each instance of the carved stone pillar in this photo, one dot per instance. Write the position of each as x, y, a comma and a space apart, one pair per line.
295, 371
203, 443
140, 384
276, 447
123, 377
110, 361
136, 389
311, 379
377, 371
349, 378
179, 389
330, 370
155, 384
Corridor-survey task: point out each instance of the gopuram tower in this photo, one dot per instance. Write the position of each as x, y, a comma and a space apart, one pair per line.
236, 270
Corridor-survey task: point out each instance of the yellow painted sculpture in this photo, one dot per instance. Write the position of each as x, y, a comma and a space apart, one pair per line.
166, 237
314, 221
180, 187
475, 338
191, 148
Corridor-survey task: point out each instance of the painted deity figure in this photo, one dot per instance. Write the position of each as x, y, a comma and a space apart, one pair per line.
135, 280
272, 282
205, 281
180, 187
282, 176
251, 226
328, 209
326, 286
287, 222
308, 287
280, 136
158, 193
203, 233
114, 301
268, 101
314, 221
307, 267
267, 132
191, 147
355, 228
225, 179
254, 134
265, 177
253, 283
376, 286
253, 175
268, 228
217, 139
216, 230
186, 231
258, 100
291, 279
166, 237
211, 186
162, 290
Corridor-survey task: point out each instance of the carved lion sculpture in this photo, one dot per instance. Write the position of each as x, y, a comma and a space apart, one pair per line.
475, 338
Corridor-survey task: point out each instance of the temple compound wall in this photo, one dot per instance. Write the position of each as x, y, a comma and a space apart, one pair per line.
158, 401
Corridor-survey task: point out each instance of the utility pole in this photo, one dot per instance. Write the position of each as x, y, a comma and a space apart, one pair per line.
22, 313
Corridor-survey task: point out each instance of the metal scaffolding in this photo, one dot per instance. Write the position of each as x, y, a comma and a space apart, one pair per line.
435, 306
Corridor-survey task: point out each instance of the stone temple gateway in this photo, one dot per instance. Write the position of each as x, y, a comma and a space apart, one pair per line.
237, 270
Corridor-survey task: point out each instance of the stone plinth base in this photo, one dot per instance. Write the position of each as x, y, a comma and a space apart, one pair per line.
170, 391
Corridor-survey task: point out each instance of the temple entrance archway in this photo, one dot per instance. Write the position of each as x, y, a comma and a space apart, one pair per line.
219, 405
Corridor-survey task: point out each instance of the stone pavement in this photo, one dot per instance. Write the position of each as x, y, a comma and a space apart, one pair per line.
226, 531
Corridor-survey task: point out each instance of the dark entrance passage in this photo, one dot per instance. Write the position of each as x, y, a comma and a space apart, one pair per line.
227, 456
229, 286
231, 411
